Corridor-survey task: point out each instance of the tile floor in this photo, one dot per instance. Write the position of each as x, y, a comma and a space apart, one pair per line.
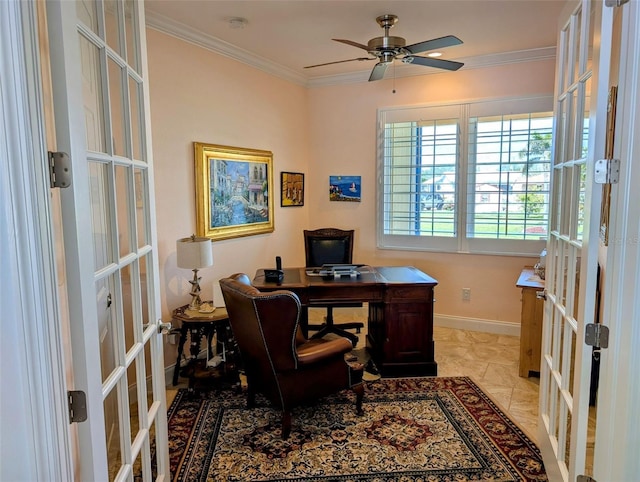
490, 360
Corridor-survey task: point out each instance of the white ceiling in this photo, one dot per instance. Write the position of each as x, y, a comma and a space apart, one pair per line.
285, 35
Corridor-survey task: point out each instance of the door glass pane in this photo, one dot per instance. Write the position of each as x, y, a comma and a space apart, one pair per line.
576, 299
585, 119
145, 287
565, 217
582, 182
112, 433
557, 200
123, 209
566, 43
111, 24
572, 369
567, 444
555, 348
131, 39
100, 216
117, 112
127, 308
147, 377
552, 246
560, 135
565, 276
577, 51
87, 12
560, 340
137, 130
590, 39
106, 327
575, 127
92, 95
137, 410
555, 394
141, 211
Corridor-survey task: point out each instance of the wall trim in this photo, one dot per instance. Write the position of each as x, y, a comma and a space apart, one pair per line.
181, 31
509, 328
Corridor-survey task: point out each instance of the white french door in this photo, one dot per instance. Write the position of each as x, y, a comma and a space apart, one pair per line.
582, 77
100, 94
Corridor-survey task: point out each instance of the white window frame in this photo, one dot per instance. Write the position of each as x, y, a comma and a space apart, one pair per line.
462, 111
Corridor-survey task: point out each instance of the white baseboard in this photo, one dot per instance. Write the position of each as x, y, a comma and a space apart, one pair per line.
168, 375
473, 324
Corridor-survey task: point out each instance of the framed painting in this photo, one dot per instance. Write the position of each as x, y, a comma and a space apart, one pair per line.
291, 189
234, 191
345, 188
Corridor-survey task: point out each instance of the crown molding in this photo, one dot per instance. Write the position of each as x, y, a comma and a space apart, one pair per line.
184, 32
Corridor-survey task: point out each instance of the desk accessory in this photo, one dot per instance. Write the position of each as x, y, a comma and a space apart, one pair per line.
194, 253
275, 275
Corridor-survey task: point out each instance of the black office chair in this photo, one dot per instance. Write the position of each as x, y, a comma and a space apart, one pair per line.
331, 246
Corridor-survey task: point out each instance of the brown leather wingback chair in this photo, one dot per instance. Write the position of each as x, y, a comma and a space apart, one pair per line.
279, 361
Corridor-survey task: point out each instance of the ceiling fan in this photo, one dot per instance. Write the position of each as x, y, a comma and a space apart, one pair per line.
386, 49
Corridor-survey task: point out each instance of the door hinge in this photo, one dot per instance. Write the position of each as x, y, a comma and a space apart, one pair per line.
615, 3
585, 478
77, 406
59, 169
607, 171
597, 335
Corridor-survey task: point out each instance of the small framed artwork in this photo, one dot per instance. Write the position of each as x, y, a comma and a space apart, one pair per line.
292, 189
345, 188
234, 191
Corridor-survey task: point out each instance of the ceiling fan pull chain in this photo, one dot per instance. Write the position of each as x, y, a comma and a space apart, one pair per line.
394, 79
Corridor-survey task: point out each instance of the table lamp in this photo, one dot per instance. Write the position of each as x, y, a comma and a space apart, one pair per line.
194, 253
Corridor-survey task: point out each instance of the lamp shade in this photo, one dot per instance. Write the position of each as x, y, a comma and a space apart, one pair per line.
194, 253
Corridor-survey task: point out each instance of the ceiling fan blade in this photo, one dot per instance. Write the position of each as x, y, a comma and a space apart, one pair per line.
433, 44
378, 71
429, 62
351, 42
339, 62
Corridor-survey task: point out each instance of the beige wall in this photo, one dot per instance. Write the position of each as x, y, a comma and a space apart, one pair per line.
197, 95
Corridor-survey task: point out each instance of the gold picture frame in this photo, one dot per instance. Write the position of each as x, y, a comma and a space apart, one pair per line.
234, 191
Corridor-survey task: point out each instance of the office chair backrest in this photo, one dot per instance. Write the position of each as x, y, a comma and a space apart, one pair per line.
328, 246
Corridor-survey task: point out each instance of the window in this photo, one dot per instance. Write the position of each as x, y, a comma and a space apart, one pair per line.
466, 178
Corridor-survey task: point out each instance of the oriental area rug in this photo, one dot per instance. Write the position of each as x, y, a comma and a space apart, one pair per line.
413, 429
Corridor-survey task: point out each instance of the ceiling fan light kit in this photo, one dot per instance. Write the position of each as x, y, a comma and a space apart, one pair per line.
386, 49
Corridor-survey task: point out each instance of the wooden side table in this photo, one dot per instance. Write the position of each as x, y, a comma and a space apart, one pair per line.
530, 321
197, 325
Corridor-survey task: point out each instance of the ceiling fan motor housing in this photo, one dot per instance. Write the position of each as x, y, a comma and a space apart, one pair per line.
386, 43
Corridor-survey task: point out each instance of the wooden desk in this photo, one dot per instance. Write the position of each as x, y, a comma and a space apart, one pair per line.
530, 322
400, 325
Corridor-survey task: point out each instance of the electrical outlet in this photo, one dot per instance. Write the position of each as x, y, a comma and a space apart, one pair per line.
466, 294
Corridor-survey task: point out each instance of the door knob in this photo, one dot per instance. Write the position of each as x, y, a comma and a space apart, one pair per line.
163, 328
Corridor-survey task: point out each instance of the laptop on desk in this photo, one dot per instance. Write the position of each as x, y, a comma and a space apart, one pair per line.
335, 270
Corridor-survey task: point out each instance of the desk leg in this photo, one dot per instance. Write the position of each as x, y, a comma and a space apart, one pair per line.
183, 339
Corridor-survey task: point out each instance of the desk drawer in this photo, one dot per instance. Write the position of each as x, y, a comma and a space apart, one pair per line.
401, 294
327, 293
